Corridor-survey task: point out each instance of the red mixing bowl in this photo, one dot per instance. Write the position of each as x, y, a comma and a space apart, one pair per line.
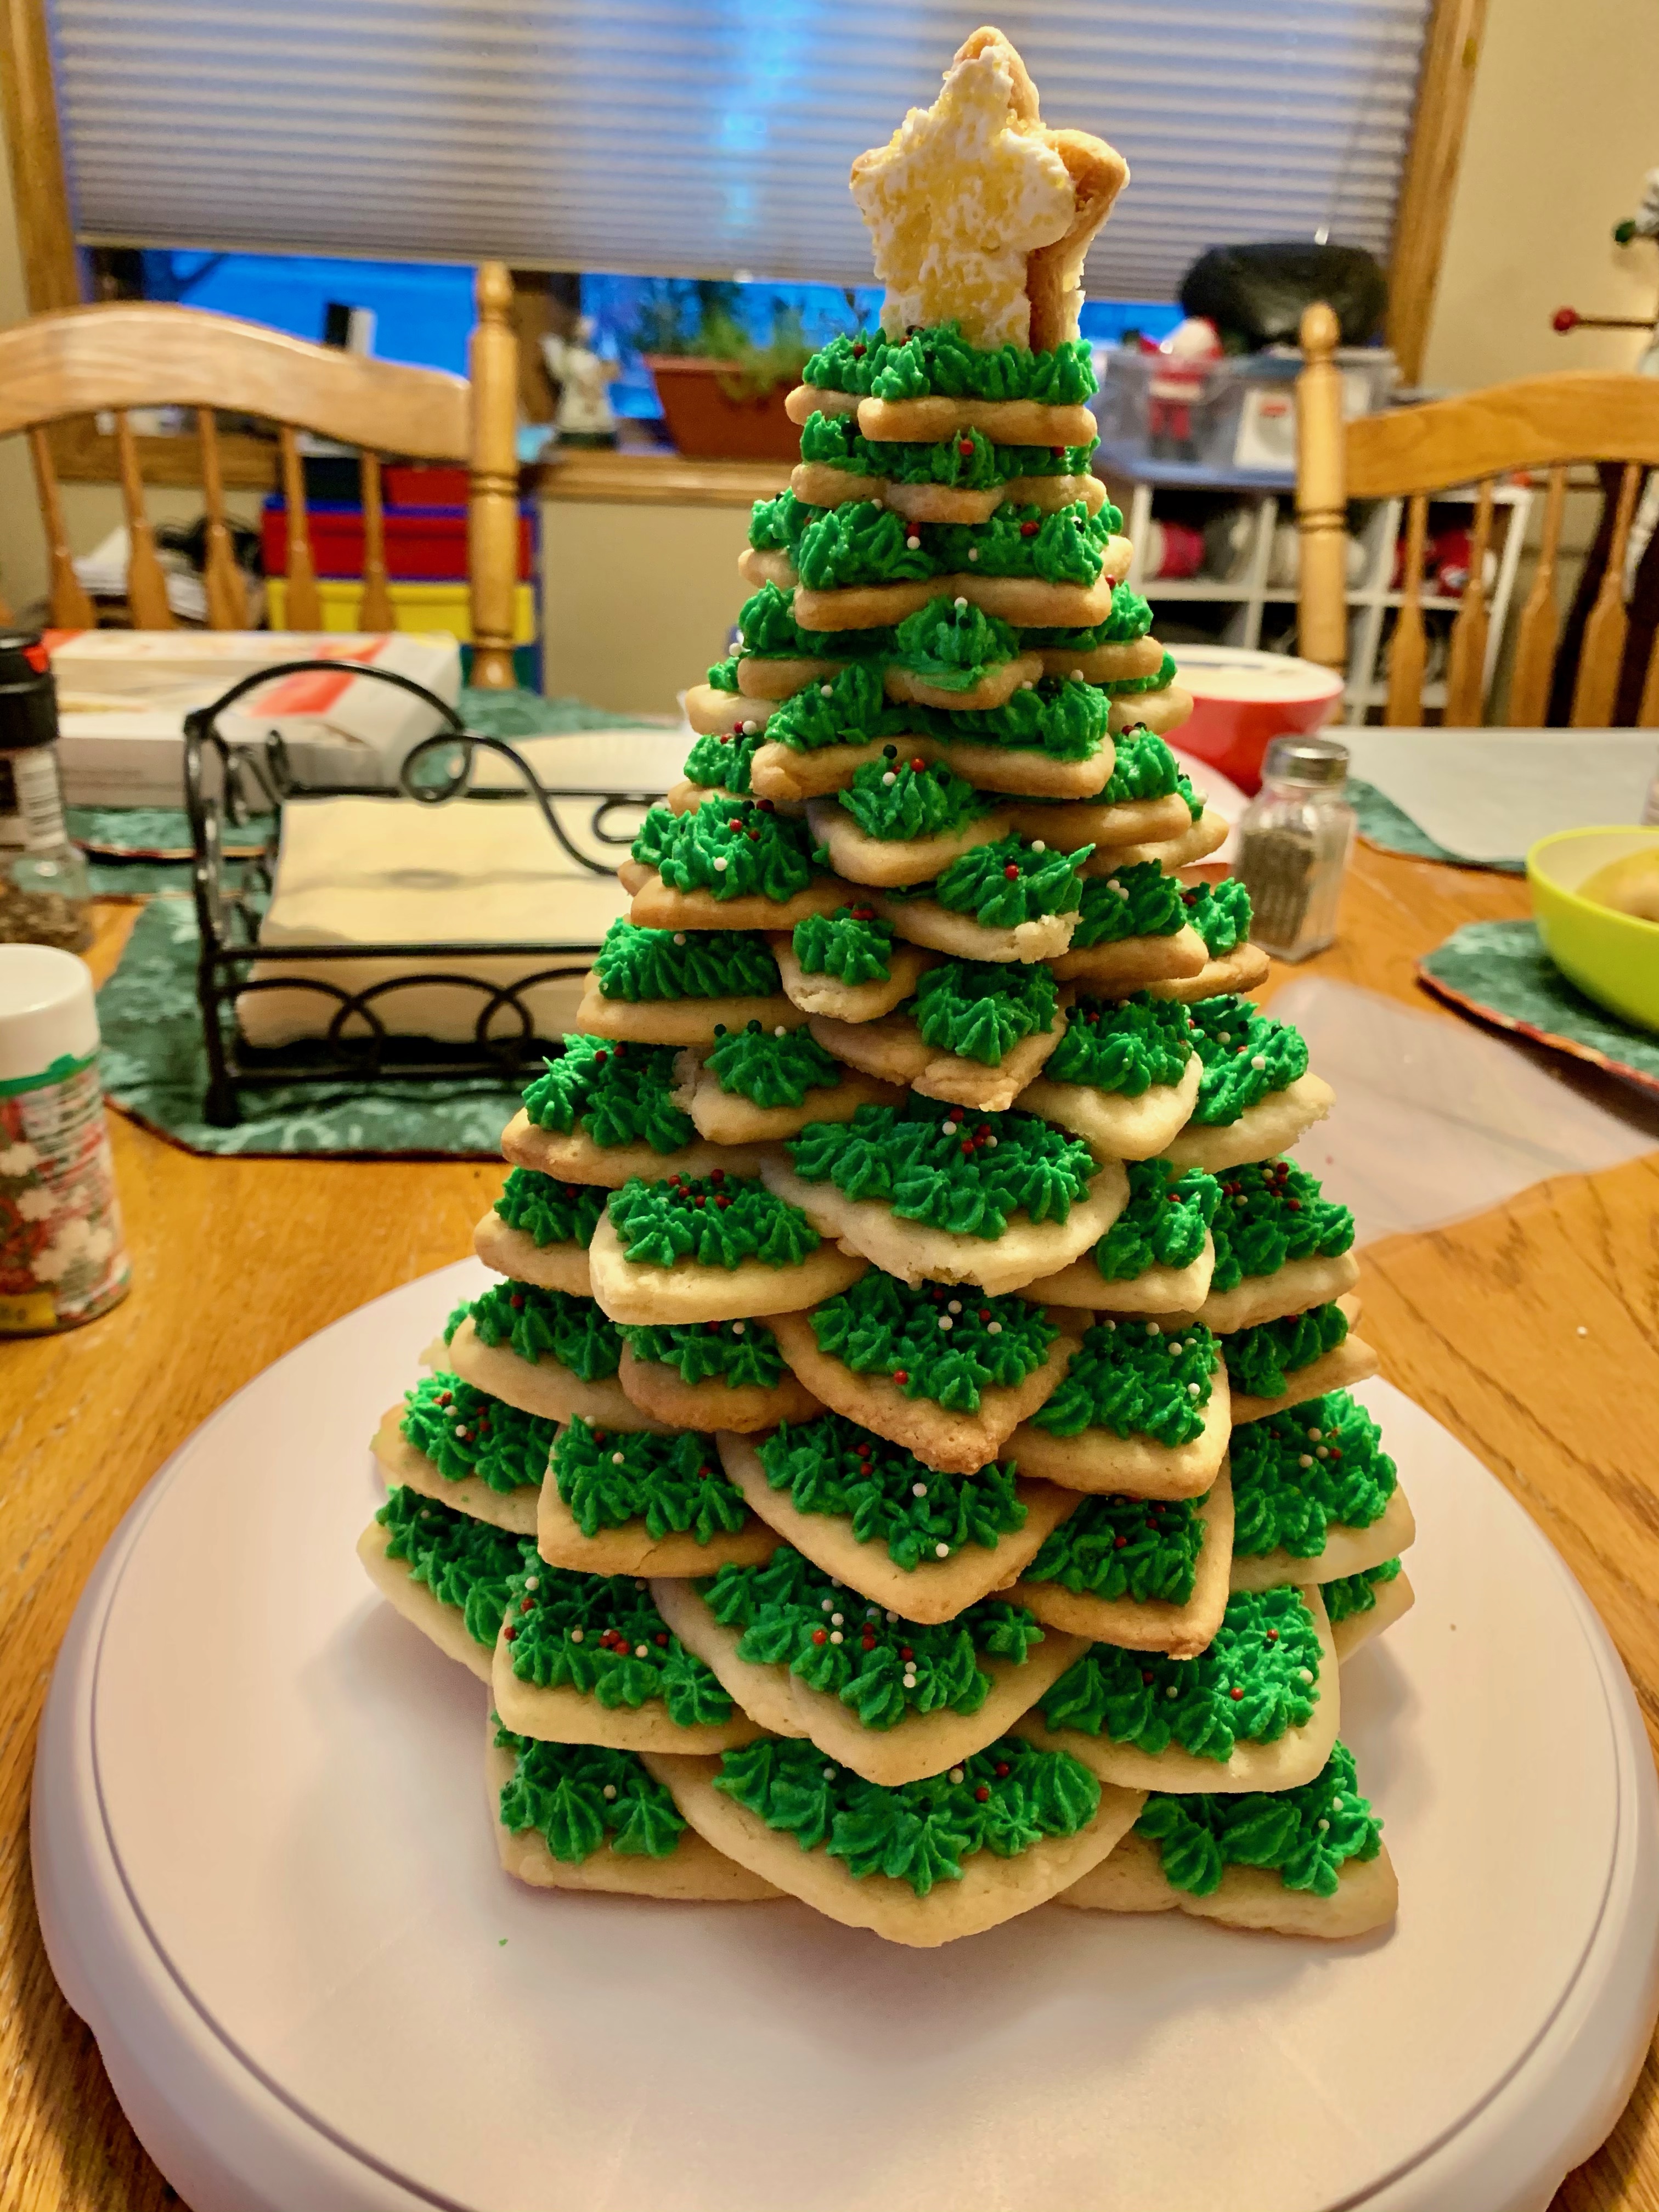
1243, 699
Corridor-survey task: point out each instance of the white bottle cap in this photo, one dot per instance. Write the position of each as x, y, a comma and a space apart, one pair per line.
47, 1010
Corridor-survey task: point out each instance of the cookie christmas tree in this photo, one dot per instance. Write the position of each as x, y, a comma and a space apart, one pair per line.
908, 1462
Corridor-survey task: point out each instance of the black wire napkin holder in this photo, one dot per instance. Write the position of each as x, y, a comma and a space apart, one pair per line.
227, 784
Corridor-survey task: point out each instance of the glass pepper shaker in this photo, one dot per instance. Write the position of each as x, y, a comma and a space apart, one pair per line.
1294, 839
46, 894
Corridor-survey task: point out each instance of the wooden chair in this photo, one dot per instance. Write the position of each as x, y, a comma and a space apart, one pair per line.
107, 359
1537, 423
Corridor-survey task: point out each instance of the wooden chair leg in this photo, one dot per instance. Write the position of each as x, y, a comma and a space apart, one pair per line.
1603, 649
226, 597
147, 585
492, 506
1540, 620
1404, 710
304, 607
70, 608
374, 610
1321, 506
1466, 662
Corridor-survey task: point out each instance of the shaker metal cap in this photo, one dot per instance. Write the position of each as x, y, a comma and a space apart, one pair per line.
1313, 762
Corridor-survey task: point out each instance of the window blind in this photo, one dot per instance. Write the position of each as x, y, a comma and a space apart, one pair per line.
704, 137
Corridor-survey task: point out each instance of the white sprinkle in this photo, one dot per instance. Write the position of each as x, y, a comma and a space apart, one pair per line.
892, 1616
949, 1128
889, 778
1077, 676
954, 1307
1305, 1675
826, 690
464, 1436
639, 1582
610, 1789
1322, 1825
828, 1605
941, 1550
914, 544
910, 1682
1028, 685
1174, 1690
1222, 1036
973, 552
1313, 1436
1321, 1453
1257, 1059
615, 1459
575, 1635
961, 603
1109, 1323
780, 1030
828, 1773
720, 865
1174, 1346
532, 1582
995, 1329
1152, 1328
751, 727
836, 1636
991, 1140
1037, 845
641, 1650
1584, 1332
956, 1774
1306, 1459
1336, 1800
679, 937
1192, 1389
838, 1620
945, 1321
738, 1327
918, 1490
1113, 884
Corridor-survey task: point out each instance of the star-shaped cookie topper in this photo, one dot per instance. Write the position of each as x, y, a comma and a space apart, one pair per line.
979, 214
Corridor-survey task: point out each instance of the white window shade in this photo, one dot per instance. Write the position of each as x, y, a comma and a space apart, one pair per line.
703, 137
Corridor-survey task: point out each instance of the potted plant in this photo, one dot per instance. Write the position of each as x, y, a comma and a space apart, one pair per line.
722, 393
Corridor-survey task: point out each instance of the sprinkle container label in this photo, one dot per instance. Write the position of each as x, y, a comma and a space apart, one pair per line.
62, 1257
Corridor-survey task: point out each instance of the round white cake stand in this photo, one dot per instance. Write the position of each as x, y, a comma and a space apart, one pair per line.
266, 1873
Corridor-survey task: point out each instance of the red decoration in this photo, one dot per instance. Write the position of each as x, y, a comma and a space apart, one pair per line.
819, 1636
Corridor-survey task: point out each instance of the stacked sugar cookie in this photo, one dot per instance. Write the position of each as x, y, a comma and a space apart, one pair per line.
907, 1461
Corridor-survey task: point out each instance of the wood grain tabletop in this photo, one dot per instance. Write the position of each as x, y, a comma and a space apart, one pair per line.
1518, 1329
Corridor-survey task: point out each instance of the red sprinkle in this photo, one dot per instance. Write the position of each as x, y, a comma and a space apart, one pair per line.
516, 1301
1236, 1693
662, 1639
508, 1635
965, 447
1002, 1768
859, 352
1119, 1543
1058, 453
906, 1652
1010, 871
901, 1375
918, 763
1028, 530
981, 1793
820, 1636
1272, 1636
600, 1058
527, 1605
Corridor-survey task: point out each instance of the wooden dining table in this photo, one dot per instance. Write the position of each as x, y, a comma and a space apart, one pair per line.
1531, 1331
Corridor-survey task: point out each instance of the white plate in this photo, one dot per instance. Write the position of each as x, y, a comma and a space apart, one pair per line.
267, 1877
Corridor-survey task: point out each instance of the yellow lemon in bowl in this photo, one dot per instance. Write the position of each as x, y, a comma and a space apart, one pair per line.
1596, 901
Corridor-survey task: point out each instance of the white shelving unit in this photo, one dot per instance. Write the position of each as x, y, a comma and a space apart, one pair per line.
1370, 602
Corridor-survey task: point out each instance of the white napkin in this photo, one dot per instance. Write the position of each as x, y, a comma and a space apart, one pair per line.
1489, 794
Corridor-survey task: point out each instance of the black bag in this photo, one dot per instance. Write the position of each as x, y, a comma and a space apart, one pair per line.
1255, 294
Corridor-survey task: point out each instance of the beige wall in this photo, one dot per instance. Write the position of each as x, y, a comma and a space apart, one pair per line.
1563, 128
638, 600
22, 549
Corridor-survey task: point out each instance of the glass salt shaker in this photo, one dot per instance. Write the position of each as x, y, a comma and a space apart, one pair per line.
46, 894
1294, 839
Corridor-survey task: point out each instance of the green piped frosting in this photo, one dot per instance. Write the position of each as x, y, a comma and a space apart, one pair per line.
1145, 767
967, 462
464, 1432
951, 644
717, 1220
981, 1009
742, 1354
940, 360
1246, 1056
1263, 1361
725, 762
897, 798
1131, 618
732, 848
1067, 720
862, 542
602, 1636
1298, 1473
1271, 1213
675, 1483
1351, 1593
1304, 1836
539, 1324
583, 1798
1122, 1045
1136, 902
1220, 913
852, 944
619, 1093
931, 1162
767, 627
1011, 1796
879, 1666
1111, 1547
1163, 1224
464, 1563
550, 1212
1011, 882
947, 1345
1266, 1647
831, 1465
1135, 1378
769, 1070
643, 966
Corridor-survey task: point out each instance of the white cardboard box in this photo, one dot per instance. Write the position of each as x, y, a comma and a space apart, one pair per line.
123, 696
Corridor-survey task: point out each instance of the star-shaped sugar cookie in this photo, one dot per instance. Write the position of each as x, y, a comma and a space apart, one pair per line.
978, 214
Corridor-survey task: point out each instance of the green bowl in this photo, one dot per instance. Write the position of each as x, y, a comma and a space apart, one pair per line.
1613, 957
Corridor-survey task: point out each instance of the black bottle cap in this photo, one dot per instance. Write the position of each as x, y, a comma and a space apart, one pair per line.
29, 697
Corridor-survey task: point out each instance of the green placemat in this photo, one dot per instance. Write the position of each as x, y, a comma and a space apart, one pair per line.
154, 1068
1383, 823
1500, 972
